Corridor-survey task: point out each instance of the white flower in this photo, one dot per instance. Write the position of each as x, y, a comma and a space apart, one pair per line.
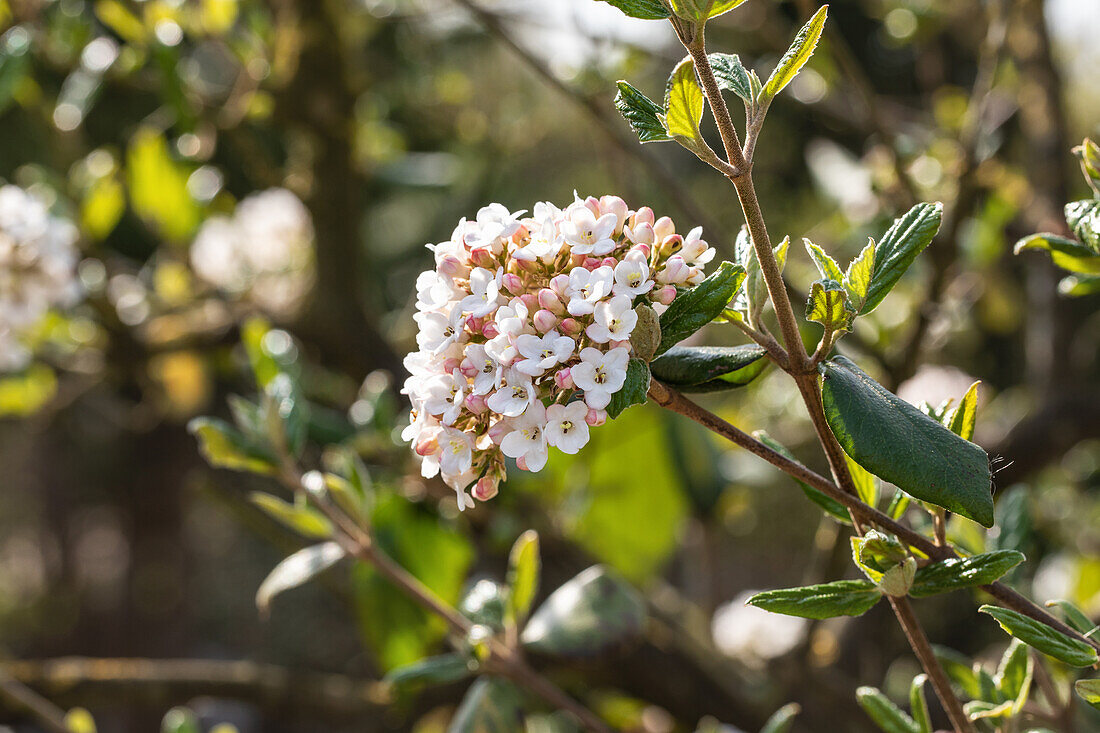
488, 370
438, 331
484, 291
613, 320
434, 291
443, 395
543, 353
588, 287
456, 450
600, 374
528, 439
544, 244
515, 395
494, 222
566, 428
585, 234
632, 276
695, 251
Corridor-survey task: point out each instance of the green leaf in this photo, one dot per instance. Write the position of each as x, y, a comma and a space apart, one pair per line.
270, 351
887, 716
965, 416
802, 48
297, 569
484, 604
695, 308
839, 598
490, 706
634, 389
438, 670
644, 9
898, 503
158, 186
223, 446
903, 241
1013, 520
1040, 636
1089, 691
826, 265
1077, 286
782, 719
831, 506
593, 611
1074, 616
180, 720
959, 670
524, 568
1083, 218
641, 113
300, 517
1014, 674
918, 704
857, 278
1068, 254
900, 444
709, 368
683, 104
828, 305
866, 484
723, 6
964, 572
731, 75
983, 710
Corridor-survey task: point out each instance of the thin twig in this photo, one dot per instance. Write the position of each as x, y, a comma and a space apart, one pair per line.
23, 699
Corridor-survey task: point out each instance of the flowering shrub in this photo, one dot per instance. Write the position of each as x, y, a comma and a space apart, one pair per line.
525, 328
38, 258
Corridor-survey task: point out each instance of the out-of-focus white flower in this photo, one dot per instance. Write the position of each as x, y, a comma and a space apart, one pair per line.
524, 328
265, 251
38, 258
752, 634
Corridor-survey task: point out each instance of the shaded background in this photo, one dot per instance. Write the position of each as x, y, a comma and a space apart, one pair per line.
391, 119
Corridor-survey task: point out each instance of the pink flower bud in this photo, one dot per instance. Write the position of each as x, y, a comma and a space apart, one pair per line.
663, 227
642, 250
593, 204
544, 321
665, 295
468, 369
498, 430
449, 365
595, 418
521, 462
550, 301
570, 327
675, 271
618, 344
591, 263
558, 284
563, 379
482, 257
512, 283
671, 244
451, 266
521, 236
474, 325
530, 300
643, 234
476, 403
485, 488
643, 216
609, 262
614, 205
427, 443
490, 330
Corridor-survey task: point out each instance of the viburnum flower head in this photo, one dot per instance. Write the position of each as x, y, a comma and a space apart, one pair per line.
524, 331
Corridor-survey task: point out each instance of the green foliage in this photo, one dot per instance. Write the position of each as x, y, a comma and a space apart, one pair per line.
593, 611
1089, 691
223, 446
899, 246
782, 719
644, 9
1042, 637
732, 75
485, 604
297, 569
709, 368
695, 308
26, 393
1083, 218
524, 568
438, 670
158, 186
1068, 254
684, 106
299, 516
1014, 674
900, 444
886, 715
918, 704
963, 418
490, 706
642, 113
1074, 616
800, 51
634, 389
964, 572
858, 276
826, 600
828, 305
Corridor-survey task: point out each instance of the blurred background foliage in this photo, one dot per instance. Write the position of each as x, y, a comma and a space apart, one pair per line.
146, 121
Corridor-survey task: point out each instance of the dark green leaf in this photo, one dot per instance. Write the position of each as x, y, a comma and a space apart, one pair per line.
963, 572
900, 444
1083, 218
897, 249
644, 9
1089, 691
634, 389
839, 598
591, 612
918, 704
641, 112
1013, 520
782, 719
524, 567
1068, 254
731, 75
709, 368
1040, 636
1014, 673
1074, 616
490, 706
887, 716
439, 670
959, 670
695, 308
800, 51
297, 569
225, 447
831, 506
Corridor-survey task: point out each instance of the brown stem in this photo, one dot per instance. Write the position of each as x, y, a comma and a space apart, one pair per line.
21, 698
913, 631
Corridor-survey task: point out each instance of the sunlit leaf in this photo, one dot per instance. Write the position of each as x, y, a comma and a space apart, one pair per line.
1040, 636
965, 416
828, 305
524, 569
683, 104
963, 572
158, 186
887, 716
1069, 254
899, 246
826, 600
1089, 691
918, 704
27, 392
644, 9
800, 51
297, 569
641, 113
223, 446
731, 75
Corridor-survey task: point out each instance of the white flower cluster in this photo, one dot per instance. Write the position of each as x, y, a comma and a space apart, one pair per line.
264, 251
524, 331
38, 258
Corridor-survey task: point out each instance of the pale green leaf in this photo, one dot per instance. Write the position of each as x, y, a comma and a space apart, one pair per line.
918, 704
1089, 691
887, 716
524, 568
828, 305
297, 569
857, 279
964, 417
683, 104
1069, 254
826, 265
797, 55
